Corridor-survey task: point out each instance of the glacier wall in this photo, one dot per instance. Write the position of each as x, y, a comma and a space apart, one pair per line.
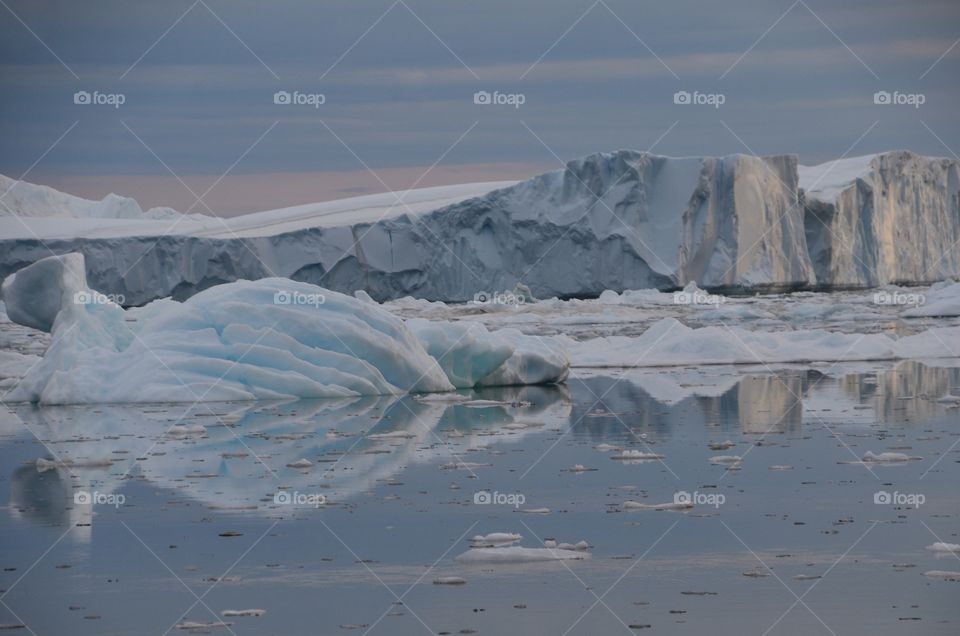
897, 220
621, 220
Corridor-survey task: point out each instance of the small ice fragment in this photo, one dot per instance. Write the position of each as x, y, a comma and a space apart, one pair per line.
673, 505
780, 467
580, 468
603, 448
481, 404
300, 463
943, 575
725, 459
871, 457
534, 511
636, 455
719, 446
392, 435
179, 430
449, 580
517, 554
940, 546
243, 612
494, 539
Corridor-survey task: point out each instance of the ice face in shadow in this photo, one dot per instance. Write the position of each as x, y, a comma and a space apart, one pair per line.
265, 339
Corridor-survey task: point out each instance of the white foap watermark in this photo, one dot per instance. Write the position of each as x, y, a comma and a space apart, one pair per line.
698, 297
95, 498
697, 498
696, 98
896, 98
898, 298
496, 98
96, 298
295, 498
498, 298
895, 498
487, 498
286, 297
96, 98
296, 98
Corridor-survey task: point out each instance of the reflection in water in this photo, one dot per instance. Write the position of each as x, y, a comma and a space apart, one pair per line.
234, 457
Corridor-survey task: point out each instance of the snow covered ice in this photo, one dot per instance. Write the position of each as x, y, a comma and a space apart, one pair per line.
265, 339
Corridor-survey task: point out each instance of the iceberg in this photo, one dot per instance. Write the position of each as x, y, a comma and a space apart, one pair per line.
608, 221
267, 339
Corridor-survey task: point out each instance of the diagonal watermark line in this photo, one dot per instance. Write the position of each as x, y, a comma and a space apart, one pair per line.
759, 39
359, 39
375, 575
176, 576
777, 577
16, 616
839, 39
597, 199
559, 39
438, 38
622, 576
638, 38
39, 39
822, 576
36, 562
939, 59
796, 204
222, 576
422, 576
600, 400
238, 38
159, 39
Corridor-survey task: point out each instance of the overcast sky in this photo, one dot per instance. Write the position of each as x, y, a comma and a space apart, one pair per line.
198, 80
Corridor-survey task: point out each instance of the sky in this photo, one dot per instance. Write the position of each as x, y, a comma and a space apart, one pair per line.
194, 113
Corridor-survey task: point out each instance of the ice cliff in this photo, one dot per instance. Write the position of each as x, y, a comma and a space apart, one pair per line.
621, 220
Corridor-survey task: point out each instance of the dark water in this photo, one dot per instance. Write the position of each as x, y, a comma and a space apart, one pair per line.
189, 524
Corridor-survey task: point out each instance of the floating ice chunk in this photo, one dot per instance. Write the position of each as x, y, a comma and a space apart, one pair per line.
534, 511
942, 575
882, 458
449, 580
603, 448
179, 430
301, 463
635, 455
392, 435
195, 626
673, 505
518, 554
940, 546
268, 339
580, 468
725, 459
243, 612
494, 539
718, 446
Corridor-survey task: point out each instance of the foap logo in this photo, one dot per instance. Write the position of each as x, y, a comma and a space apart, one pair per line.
496, 98
94, 498
884, 498
283, 297
696, 98
498, 298
296, 98
696, 498
698, 297
487, 498
295, 498
96, 298
898, 298
896, 98
96, 98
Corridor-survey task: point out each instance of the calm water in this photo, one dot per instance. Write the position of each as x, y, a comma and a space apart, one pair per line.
187, 522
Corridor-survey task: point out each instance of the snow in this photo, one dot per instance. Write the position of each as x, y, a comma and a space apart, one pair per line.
265, 339
941, 300
518, 554
671, 343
